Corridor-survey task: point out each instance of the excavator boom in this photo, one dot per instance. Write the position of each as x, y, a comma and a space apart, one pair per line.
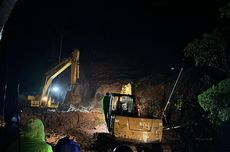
45, 100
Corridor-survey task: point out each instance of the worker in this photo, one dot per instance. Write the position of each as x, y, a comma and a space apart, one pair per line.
105, 107
67, 145
32, 138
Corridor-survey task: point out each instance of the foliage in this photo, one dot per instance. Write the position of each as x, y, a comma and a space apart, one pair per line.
154, 109
225, 11
178, 103
216, 101
210, 50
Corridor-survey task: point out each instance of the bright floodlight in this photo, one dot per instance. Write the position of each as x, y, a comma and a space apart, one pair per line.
45, 98
55, 89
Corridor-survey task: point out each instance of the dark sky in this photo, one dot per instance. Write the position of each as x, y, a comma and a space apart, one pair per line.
153, 30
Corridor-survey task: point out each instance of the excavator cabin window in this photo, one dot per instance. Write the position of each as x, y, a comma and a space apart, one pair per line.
122, 105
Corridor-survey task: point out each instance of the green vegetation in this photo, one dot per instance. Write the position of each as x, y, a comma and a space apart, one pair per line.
225, 11
216, 101
211, 50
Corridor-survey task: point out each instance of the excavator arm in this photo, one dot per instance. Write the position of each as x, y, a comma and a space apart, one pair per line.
45, 99
51, 75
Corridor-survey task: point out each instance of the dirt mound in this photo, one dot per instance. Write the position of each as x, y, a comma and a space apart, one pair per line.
80, 126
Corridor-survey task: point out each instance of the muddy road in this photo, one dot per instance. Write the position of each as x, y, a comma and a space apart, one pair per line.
80, 126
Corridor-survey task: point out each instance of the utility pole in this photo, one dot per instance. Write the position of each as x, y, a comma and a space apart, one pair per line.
170, 96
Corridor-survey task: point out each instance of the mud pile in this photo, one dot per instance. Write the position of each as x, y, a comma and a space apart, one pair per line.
80, 126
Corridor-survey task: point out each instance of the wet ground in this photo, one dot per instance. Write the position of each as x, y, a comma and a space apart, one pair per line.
87, 128
81, 126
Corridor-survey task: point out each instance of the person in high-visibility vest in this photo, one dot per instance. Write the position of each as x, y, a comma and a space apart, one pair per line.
32, 138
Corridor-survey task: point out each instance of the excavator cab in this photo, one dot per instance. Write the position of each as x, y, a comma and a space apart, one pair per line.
122, 104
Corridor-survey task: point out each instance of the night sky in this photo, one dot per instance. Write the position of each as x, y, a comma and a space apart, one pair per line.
152, 31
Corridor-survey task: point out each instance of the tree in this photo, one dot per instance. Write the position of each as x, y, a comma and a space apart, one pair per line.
225, 11
216, 101
211, 50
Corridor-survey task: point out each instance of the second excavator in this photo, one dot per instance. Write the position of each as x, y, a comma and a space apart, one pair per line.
44, 100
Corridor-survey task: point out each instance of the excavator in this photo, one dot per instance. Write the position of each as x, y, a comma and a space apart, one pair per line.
127, 125
126, 122
44, 100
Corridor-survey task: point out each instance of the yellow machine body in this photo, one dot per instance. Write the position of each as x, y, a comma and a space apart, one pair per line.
141, 130
126, 123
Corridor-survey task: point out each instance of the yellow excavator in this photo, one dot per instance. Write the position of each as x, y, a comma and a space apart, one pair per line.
45, 100
127, 125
